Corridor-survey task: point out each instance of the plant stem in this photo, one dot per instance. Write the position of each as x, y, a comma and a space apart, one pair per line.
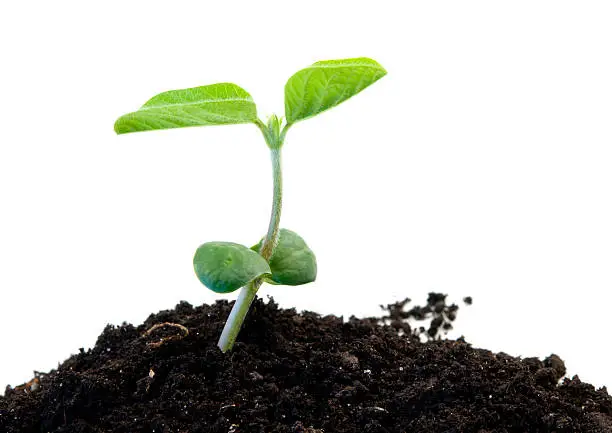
248, 293
271, 239
237, 316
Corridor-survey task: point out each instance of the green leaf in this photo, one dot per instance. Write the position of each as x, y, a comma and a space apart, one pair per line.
292, 263
217, 104
225, 266
326, 84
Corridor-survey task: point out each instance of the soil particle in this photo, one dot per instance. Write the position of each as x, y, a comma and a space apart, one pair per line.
301, 373
439, 314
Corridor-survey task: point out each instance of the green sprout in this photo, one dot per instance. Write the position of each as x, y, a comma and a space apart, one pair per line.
281, 257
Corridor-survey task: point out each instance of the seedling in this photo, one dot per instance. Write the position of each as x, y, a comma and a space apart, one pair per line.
281, 257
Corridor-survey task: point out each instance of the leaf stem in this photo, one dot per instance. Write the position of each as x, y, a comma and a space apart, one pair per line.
248, 293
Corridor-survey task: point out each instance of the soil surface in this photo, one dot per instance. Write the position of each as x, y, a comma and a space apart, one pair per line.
294, 372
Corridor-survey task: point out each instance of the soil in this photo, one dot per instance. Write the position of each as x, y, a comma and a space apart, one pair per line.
295, 373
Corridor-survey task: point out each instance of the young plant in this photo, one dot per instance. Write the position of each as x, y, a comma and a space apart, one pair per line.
281, 256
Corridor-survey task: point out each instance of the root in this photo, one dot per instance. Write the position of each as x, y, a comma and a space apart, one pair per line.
30, 386
183, 332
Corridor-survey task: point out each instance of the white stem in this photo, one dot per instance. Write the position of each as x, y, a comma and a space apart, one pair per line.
236, 317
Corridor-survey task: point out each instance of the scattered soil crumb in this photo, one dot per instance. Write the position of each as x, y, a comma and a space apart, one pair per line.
440, 316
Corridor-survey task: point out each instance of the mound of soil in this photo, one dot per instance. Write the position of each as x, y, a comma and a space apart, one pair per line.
294, 372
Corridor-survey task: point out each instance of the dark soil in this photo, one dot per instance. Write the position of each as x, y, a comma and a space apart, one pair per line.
301, 373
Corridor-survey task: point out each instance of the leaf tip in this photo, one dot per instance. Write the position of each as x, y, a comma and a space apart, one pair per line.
119, 126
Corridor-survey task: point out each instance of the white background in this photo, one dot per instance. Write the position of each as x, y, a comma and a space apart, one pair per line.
481, 165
